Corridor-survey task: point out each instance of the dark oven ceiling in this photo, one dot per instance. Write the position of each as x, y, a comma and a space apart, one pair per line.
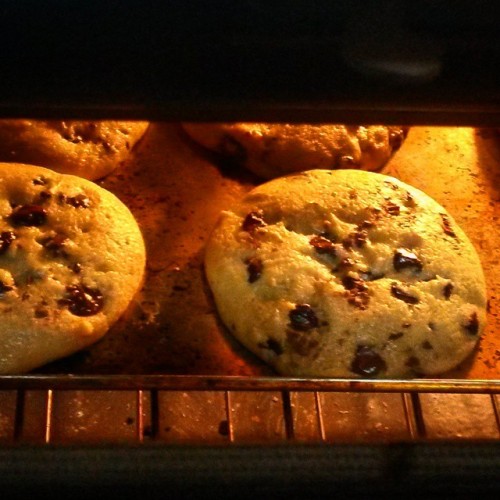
432, 62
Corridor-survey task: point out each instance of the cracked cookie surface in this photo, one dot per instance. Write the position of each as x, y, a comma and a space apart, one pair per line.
89, 149
71, 259
272, 149
347, 274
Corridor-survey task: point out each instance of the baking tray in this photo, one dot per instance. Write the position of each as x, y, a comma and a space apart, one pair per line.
171, 337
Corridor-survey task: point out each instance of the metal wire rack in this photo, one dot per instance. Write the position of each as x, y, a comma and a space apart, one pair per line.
235, 410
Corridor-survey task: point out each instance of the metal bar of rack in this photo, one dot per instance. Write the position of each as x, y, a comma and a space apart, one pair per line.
230, 411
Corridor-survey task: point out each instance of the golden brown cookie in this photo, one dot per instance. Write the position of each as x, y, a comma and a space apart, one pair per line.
272, 149
347, 273
88, 149
72, 258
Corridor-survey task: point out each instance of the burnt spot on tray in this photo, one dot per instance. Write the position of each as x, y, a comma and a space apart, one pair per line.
82, 301
367, 362
446, 225
472, 324
356, 291
254, 269
303, 318
6, 238
253, 221
400, 294
448, 288
272, 345
28, 216
404, 259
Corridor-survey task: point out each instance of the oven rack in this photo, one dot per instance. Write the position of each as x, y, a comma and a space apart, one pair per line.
175, 409
264, 437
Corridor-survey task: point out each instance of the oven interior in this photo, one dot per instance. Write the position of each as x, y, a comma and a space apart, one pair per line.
167, 400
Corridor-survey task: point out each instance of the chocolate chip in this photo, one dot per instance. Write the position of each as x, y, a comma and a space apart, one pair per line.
446, 224
272, 345
6, 238
254, 269
412, 362
472, 325
404, 259
395, 336
370, 275
402, 295
28, 215
448, 288
409, 201
346, 263
366, 224
396, 138
76, 268
357, 291
5, 288
367, 362
303, 317
391, 185
345, 161
78, 201
391, 208
323, 245
427, 345
39, 181
302, 343
82, 300
351, 283
55, 245
41, 312
357, 239
406, 325
253, 221
43, 196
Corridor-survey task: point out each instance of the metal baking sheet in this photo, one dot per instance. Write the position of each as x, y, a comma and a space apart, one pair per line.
176, 190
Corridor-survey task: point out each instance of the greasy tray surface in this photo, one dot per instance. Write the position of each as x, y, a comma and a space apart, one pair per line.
176, 191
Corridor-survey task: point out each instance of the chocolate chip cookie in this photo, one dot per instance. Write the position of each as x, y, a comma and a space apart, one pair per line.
88, 149
271, 149
72, 258
347, 273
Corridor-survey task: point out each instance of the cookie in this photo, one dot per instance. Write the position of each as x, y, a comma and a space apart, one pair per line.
72, 258
347, 273
87, 149
272, 150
